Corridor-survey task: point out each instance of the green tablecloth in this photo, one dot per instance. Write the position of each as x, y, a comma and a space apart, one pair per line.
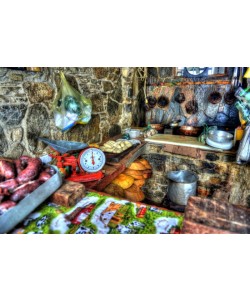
100, 214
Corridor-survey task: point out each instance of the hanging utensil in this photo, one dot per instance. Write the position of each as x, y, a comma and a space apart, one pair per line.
234, 77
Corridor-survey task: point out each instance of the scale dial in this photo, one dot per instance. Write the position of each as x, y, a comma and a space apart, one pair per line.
92, 160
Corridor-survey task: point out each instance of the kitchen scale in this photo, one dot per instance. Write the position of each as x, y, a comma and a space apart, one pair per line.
85, 166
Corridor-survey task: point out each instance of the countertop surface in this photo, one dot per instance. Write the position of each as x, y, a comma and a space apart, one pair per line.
180, 140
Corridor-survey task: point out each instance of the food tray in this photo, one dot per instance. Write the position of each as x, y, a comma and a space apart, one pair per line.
116, 157
18, 213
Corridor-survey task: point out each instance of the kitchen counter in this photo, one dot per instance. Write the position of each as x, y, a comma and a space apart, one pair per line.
181, 140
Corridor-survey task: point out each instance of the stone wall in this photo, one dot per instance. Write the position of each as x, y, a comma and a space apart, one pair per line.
219, 176
26, 106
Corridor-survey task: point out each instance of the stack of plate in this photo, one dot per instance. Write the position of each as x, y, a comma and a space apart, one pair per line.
220, 139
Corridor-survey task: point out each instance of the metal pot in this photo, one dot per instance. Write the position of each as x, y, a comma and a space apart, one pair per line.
220, 139
220, 136
182, 185
175, 124
191, 130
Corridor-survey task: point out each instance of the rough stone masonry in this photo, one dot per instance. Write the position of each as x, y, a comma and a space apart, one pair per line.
26, 106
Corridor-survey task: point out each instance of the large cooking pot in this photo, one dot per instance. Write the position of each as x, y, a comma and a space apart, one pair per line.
182, 185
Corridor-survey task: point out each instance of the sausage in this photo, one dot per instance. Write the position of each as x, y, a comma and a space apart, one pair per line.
50, 170
19, 165
44, 176
7, 169
23, 190
10, 184
6, 205
4, 192
1, 197
31, 171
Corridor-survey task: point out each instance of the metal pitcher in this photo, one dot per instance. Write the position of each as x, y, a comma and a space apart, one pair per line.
182, 185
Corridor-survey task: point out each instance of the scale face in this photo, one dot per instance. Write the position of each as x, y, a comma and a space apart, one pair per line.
92, 160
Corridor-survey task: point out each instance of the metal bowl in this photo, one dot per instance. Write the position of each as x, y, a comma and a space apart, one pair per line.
158, 127
220, 136
190, 130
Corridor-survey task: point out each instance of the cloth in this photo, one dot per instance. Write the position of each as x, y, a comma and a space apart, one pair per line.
100, 214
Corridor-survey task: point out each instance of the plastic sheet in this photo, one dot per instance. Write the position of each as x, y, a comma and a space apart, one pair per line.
70, 107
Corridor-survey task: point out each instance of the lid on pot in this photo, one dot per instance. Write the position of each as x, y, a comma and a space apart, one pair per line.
182, 176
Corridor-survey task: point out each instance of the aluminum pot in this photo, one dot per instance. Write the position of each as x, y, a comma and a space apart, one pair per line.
182, 185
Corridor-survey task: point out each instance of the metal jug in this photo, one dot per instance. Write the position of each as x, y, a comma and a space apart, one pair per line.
182, 185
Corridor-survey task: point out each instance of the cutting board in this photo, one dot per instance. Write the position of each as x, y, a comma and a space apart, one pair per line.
180, 140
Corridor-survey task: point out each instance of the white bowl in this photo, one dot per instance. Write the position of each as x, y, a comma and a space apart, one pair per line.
134, 133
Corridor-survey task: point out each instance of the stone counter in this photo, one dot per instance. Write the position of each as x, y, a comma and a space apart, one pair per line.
219, 176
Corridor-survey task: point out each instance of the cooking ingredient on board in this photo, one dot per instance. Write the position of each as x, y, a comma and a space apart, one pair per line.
69, 194
116, 146
70, 107
26, 174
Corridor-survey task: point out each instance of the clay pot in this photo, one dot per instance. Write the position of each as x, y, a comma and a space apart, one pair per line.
162, 101
229, 97
151, 102
180, 98
214, 97
191, 107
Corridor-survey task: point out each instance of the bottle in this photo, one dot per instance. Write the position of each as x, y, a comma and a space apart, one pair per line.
33, 69
243, 94
244, 110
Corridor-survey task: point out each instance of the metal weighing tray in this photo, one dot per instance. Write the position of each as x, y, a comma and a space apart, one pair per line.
64, 146
18, 213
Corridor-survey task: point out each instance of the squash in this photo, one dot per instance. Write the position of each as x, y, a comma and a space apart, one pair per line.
124, 181
139, 182
133, 173
147, 175
136, 165
114, 190
145, 163
134, 193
